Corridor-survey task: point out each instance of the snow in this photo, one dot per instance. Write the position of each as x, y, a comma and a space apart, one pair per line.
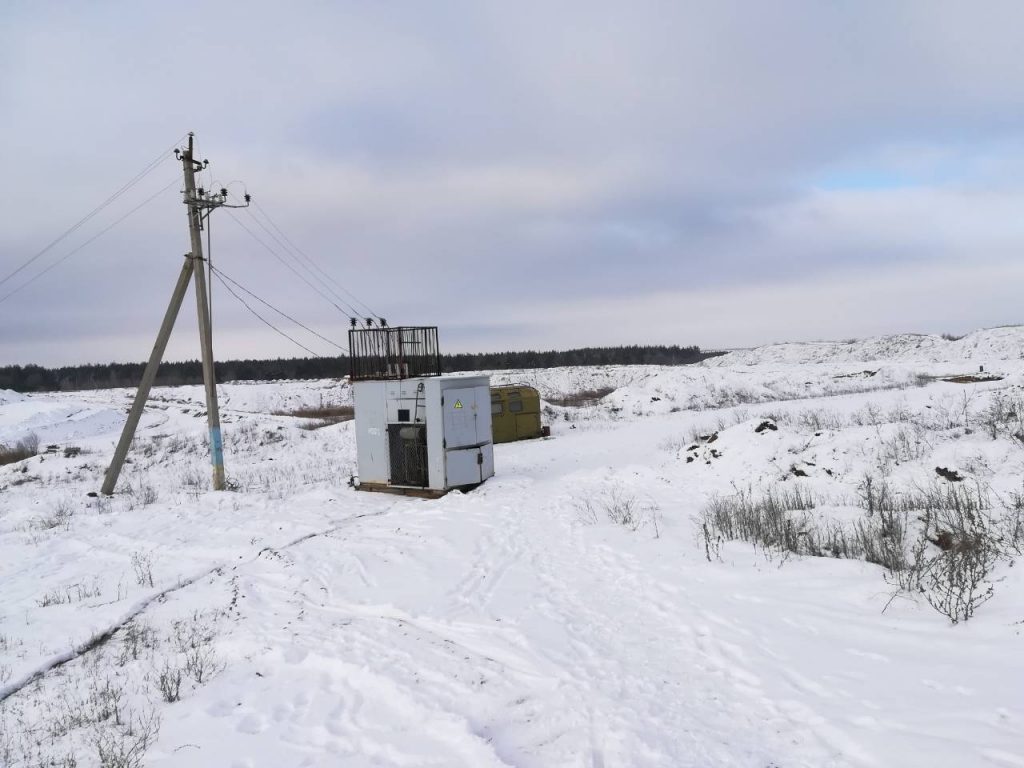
995, 344
509, 625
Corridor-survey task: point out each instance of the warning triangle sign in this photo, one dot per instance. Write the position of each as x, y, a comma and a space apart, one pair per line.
458, 403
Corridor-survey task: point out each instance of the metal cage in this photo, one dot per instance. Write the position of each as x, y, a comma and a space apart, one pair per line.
401, 352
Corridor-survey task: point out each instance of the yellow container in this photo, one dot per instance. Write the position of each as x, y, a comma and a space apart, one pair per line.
515, 413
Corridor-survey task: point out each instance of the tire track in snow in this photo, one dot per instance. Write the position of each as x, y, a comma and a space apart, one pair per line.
455, 680
662, 687
98, 639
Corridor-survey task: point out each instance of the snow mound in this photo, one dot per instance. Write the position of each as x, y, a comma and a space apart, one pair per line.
1006, 343
10, 396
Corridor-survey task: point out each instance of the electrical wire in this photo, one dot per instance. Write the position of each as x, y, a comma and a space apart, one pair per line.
278, 256
260, 317
352, 311
147, 169
92, 239
220, 273
312, 262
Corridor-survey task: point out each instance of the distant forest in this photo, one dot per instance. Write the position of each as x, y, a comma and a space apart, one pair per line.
34, 378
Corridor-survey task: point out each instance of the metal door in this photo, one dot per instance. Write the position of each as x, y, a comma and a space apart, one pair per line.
463, 467
461, 414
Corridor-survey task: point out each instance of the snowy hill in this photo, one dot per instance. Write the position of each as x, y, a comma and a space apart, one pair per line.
594, 604
7, 396
990, 344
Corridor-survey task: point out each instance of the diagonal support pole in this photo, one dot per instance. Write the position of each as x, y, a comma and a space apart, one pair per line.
148, 376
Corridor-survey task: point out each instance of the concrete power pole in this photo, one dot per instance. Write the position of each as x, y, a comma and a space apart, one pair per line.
196, 203
197, 200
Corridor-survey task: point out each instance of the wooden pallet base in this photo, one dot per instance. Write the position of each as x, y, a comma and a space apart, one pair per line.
420, 493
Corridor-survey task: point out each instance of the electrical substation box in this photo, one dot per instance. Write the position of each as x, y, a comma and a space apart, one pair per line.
417, 434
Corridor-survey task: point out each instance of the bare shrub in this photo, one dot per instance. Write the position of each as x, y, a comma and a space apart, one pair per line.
818, 420
905, 444
1004, 413
141, 496
943, 541
142, 564
773, 521
621, 508
618, 507
25, 448
104, 700
874, 494
960, 543
869, 416
201, 663
136, 640
71, 594
168, 682
126, 747
147, 494
959, 580
882, 540
58, 517
192, 633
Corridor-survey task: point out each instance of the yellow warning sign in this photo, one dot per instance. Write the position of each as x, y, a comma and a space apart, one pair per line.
458, 403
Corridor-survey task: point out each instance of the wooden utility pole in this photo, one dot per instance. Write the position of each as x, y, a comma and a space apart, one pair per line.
197, 200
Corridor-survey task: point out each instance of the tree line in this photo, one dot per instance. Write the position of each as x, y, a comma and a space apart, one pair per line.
35, 378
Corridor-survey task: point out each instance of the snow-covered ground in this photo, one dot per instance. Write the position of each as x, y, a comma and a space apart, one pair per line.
569, 612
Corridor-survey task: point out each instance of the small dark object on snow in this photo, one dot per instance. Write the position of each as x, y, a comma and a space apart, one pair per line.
797, 472
766, 425
708, 438
689, 459
949, 474
655, 399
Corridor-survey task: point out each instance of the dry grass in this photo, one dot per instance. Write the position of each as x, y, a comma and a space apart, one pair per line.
581, 398
321, 416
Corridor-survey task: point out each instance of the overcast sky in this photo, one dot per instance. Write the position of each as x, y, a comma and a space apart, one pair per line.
524, 175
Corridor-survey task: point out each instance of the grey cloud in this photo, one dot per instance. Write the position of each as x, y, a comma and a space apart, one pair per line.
495, 168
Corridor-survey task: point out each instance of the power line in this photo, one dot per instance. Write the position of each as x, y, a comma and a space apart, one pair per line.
216, 273
221, 274
149, 167
87, 242
298, 274
352, 310
316, 266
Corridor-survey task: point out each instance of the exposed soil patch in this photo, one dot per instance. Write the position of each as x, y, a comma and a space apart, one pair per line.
973, 378
321, 416
581, 398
